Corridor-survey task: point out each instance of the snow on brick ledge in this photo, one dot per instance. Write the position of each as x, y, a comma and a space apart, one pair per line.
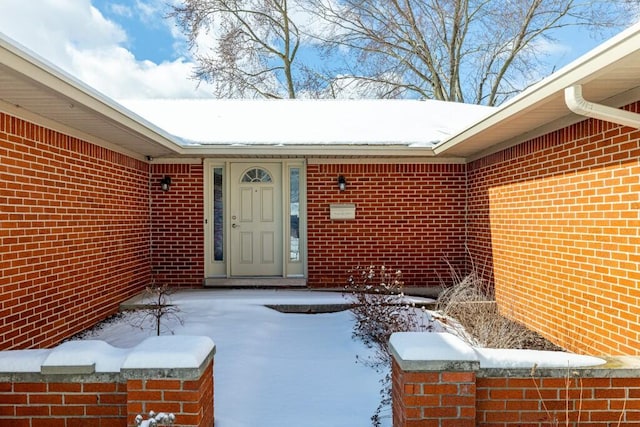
170, 352
438, 350
93, 356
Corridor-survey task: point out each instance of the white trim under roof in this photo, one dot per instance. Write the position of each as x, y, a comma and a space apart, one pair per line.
30, 83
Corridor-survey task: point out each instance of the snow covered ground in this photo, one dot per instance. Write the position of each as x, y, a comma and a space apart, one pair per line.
272, 369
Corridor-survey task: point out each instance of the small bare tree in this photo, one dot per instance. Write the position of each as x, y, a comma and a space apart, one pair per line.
158, 308
253, 45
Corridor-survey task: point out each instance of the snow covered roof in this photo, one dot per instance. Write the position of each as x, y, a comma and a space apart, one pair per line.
33, 89
409, 123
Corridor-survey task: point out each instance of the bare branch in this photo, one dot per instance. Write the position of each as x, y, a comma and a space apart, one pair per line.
479, 51
254, 44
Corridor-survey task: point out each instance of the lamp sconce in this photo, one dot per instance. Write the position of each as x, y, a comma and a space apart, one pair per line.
342, 183
165, 183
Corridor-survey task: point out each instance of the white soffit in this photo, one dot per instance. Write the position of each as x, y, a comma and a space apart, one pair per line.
38, 91
609, 74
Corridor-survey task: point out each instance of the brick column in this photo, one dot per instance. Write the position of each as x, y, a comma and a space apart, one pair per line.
91, 383
434, 381
172, 374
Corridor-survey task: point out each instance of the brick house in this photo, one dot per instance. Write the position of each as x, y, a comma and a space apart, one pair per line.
543, 192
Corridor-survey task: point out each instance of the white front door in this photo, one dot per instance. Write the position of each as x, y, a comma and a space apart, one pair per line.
255, 237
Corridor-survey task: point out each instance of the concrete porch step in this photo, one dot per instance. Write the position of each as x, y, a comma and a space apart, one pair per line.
255, 282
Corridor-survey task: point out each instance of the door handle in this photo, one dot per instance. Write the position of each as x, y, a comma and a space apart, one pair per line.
235, 225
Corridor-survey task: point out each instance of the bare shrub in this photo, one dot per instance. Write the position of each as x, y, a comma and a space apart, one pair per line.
470, 311
574, 398
381, 309
154, 420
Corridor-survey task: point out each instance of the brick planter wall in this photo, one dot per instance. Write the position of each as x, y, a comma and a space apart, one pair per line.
441, 399
439, 386
74, 234
555, 220
408, 217
36, 394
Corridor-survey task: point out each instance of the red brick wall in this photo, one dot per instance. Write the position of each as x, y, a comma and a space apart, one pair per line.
558, 219
44, 401
599, 398
177, 226
63, 404
537, 401
191, 401
433, 399
408, 217
74, 233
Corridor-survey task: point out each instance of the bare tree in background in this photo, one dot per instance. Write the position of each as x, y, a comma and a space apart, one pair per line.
473, 51
252, 45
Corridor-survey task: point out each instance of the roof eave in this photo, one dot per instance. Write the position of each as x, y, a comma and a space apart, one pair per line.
45, 77
597, 64
304, 151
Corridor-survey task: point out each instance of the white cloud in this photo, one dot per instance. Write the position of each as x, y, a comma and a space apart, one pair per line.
118, 74
75, 36
120, 10
151, 12
551, 47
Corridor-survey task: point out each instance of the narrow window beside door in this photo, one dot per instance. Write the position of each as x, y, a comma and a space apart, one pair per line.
294, 214
218, 215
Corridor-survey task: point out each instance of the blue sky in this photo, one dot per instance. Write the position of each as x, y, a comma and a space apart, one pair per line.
148, 32
129, 49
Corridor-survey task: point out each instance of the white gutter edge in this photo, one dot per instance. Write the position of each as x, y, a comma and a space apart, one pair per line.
576, 103
584, 68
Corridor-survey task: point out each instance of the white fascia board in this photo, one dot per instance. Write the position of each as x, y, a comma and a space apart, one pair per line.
586, 68
310, 160
49, 76
305, 150
387, 160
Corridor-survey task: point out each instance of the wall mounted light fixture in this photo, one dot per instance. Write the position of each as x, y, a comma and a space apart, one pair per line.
342, 183
165, 183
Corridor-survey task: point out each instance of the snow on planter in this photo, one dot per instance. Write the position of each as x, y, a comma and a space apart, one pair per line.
177, 351
99, 355
442, 346
22, 360
94, 356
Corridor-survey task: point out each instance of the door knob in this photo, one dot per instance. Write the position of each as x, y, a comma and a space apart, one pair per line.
235, 225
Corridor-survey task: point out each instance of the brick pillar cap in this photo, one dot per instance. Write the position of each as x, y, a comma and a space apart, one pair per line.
83, 357
431, 346
431, 351
172, 352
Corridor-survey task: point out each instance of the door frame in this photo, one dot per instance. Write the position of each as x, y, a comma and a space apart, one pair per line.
222, 268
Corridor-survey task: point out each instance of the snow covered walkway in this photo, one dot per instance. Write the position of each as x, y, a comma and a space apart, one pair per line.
272, 369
